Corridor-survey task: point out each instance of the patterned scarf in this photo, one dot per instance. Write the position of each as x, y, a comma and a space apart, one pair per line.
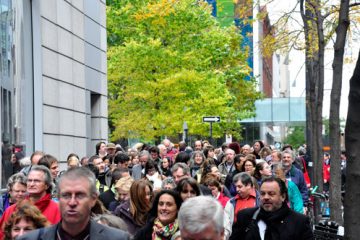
161, 232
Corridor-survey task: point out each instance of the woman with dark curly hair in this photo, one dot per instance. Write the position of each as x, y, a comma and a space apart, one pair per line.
26, 217
257, 146
163, 223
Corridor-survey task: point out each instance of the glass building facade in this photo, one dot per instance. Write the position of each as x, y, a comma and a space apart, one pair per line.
16, 81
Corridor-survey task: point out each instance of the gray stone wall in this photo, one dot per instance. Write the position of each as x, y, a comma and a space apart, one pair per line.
74, 82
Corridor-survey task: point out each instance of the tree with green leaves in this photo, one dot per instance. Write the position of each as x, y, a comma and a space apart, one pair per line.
295, 136
169, 62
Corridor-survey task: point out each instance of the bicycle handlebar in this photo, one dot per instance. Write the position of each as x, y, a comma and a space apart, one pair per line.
320, 195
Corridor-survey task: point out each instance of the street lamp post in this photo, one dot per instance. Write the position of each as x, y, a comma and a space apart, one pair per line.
185, 132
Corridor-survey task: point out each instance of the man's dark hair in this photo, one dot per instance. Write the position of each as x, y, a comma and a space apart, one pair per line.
115, 175
121, 157
150, 164
281, 183
182, 146
92, 158
154, 149
183, 157
36, 153
287, 146
93, 169
244, 177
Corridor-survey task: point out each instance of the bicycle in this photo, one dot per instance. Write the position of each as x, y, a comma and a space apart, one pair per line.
324, 206
325, 229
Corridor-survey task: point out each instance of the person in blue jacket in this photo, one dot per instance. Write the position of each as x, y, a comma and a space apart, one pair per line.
295, 175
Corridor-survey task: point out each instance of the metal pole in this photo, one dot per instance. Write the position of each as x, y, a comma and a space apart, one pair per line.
211, 133
185, 132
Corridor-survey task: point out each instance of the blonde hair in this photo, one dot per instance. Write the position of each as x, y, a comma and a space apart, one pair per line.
124, 184
72, 160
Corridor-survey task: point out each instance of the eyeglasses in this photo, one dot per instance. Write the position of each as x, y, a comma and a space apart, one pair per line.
36, 181
69, 196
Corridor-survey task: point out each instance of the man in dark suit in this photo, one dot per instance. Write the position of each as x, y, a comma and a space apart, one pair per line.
77, 195
273, 220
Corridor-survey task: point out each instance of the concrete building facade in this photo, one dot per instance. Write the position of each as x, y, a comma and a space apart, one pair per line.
53, 76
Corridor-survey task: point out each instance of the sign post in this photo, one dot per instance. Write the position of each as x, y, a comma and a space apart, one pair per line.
211, 120
185, 132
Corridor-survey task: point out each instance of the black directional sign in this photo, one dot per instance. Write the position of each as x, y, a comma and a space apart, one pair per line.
211, 119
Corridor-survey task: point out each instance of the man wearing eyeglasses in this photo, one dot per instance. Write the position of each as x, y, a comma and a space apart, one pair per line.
39, 187
77, 195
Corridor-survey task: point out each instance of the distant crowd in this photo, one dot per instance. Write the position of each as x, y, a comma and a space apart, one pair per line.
168, 191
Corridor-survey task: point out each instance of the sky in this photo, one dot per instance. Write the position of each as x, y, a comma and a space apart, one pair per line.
297, 69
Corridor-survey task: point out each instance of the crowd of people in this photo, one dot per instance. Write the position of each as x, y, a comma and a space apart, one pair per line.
160, 192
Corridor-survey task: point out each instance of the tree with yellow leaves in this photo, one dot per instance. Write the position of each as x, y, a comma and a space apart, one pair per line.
169, 62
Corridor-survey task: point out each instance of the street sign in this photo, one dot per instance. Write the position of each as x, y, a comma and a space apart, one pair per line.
211, 119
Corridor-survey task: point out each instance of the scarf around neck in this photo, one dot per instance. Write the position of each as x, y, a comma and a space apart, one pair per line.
272, 220
161, 232
43, 202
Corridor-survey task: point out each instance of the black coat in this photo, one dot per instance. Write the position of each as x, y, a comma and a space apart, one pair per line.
107, 197
145, 233
293, 226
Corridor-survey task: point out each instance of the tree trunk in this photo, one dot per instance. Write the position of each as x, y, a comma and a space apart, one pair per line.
334, 121
314, 62
352, 143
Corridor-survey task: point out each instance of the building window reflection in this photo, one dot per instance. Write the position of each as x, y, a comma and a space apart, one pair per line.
16, 83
